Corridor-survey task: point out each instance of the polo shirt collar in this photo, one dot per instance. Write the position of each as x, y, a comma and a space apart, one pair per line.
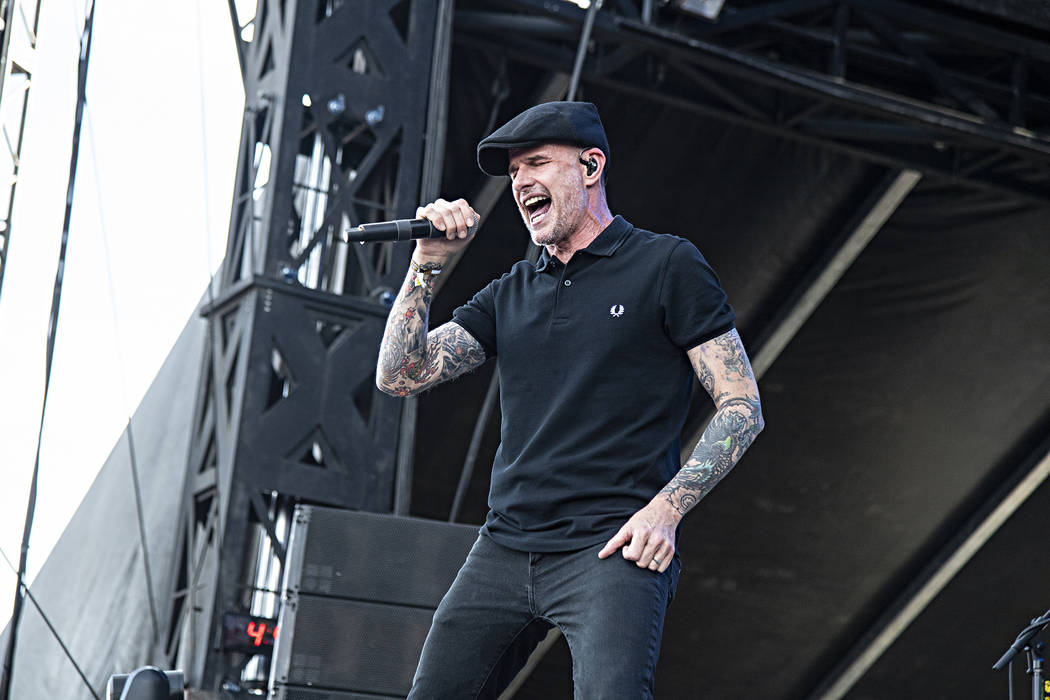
605, 244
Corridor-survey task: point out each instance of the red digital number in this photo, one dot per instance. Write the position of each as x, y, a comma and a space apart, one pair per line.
257, 631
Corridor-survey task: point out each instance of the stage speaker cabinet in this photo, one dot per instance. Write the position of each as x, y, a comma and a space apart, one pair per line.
359, 593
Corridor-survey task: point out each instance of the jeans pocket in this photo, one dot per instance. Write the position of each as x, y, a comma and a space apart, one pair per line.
673, 572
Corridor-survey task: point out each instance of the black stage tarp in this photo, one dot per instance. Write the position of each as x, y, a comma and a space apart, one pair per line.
915, 390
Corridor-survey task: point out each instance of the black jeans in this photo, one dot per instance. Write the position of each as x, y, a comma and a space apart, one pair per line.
610, 610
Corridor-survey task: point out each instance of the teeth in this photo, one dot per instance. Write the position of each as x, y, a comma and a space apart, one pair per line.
532, 200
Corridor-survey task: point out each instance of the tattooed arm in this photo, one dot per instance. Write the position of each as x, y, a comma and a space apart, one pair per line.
412, 360
725, 372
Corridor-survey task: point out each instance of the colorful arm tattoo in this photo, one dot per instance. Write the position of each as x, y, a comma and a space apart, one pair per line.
411, 359
725, 372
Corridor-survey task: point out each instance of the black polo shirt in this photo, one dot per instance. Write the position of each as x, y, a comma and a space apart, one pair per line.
594, 381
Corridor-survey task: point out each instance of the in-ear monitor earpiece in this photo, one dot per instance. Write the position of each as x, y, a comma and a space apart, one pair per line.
591, 163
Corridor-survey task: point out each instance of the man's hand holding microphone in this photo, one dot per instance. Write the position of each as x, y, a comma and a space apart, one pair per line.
441, 229
455, 224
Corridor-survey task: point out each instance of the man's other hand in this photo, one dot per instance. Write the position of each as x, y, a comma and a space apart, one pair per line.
648, 537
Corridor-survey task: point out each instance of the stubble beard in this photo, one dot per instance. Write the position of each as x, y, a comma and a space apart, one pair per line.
556, 234
560, 230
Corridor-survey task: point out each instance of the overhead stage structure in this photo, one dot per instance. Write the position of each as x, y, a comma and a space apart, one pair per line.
925, 86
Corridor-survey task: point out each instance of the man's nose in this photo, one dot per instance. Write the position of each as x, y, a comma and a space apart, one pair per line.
521, 180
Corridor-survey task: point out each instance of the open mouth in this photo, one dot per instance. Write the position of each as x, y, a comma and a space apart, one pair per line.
537, 206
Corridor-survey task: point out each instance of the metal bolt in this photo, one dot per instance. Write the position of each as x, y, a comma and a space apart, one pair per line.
337, 105
375, 115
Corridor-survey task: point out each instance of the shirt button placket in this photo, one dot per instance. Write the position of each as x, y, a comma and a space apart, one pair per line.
559, 314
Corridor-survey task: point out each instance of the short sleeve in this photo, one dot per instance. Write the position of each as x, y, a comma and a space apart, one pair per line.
478, 317
695, 307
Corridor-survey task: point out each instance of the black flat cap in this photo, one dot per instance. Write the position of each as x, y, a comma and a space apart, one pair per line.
576, 123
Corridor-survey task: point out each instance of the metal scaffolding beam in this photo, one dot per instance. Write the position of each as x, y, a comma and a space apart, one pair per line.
17, 55
902, 96
336, 132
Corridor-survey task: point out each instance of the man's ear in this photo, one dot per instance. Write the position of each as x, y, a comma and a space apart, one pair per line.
593, 161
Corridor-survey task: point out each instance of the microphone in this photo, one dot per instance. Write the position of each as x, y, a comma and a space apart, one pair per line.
397, 230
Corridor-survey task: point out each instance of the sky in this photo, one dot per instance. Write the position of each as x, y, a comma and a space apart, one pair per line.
158, 154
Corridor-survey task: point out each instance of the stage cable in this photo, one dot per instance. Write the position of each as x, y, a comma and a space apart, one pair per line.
54, 632
206, 202
135, 481
581, 48
56, 299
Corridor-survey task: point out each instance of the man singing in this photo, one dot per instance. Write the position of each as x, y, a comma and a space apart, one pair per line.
596, 345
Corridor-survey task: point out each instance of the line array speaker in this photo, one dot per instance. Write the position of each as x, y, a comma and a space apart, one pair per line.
359, 593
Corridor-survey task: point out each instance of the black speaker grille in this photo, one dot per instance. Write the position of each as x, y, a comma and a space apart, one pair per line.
365, 592
357, 645
379, 557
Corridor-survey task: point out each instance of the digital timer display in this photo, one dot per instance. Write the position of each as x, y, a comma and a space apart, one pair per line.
248, 634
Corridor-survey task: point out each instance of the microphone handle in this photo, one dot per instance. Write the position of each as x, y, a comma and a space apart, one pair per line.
397, 230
